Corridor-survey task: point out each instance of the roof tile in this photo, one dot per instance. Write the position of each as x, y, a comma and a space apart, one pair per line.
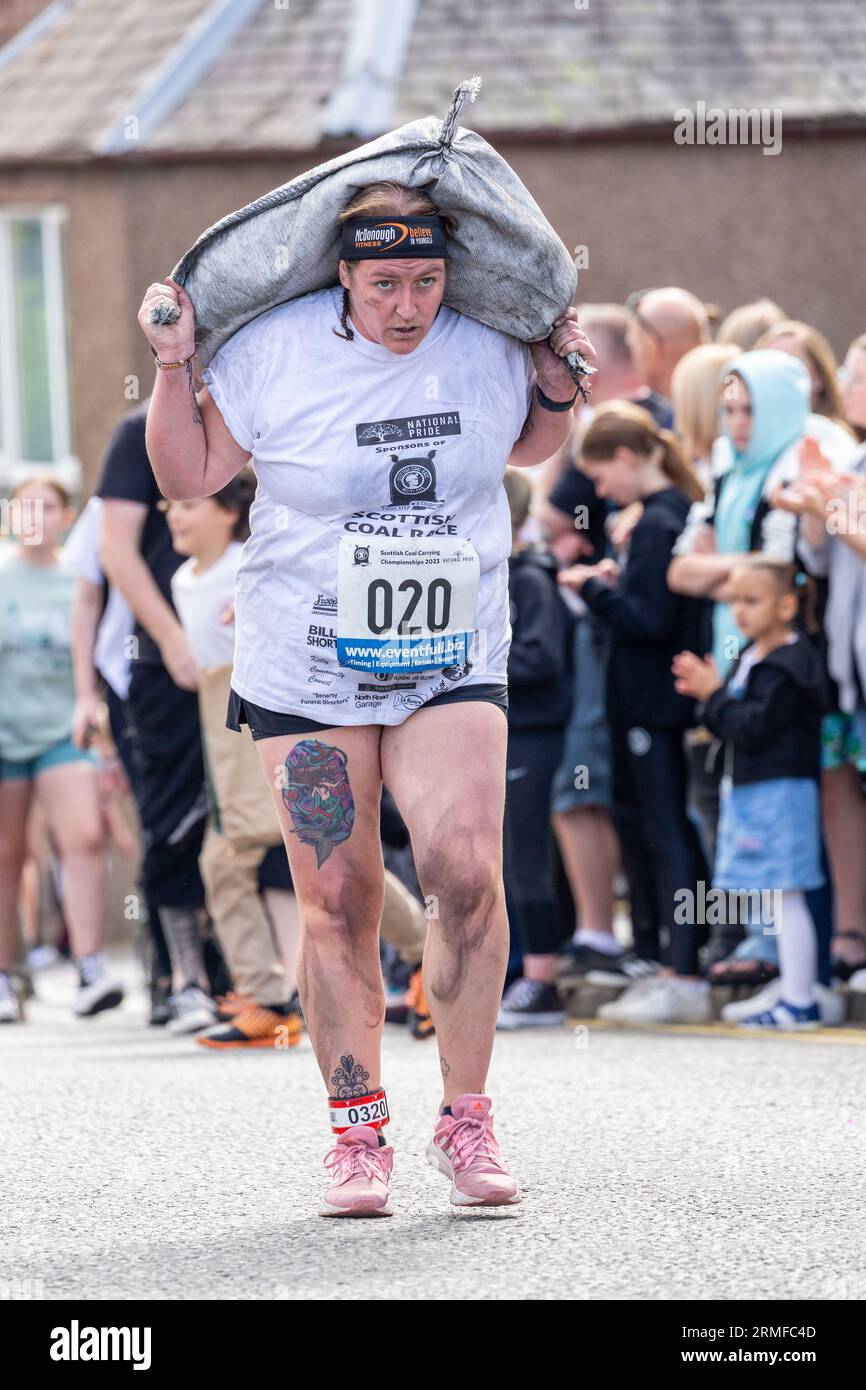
618, 62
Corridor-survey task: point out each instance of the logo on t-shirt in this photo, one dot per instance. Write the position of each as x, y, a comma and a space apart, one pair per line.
458, 672
413, 479
408, 427
408, 701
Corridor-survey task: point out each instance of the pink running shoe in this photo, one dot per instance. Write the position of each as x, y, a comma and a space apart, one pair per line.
464, 1148
361, 1169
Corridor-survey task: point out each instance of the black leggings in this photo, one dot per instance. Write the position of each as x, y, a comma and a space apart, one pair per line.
533, 757
661, 850
123, 734
169, 783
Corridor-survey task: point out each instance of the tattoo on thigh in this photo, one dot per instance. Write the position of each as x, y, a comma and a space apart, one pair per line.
349, 1080
317, 796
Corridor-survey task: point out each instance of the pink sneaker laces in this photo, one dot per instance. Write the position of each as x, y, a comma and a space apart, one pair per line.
351, 1159
473, 1138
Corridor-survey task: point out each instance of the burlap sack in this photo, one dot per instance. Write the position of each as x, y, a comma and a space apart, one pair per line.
508, 267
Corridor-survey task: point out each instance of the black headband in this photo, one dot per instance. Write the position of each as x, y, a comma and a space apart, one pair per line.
369, 238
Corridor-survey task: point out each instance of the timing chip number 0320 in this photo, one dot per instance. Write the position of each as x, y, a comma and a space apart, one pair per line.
406, 605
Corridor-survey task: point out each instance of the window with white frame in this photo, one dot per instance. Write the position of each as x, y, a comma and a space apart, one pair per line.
35, 427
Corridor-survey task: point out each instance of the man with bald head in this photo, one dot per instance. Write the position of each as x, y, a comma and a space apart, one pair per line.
664, 325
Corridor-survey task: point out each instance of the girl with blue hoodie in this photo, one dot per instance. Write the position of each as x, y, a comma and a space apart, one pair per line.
764, 416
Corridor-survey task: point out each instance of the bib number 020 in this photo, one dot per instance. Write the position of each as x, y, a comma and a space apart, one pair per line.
381, 606
406, 604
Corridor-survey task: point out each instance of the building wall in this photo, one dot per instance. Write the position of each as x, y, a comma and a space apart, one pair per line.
728, 223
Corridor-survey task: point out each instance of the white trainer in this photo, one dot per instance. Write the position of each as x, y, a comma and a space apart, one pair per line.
830, 1004
664, 999
10, 1009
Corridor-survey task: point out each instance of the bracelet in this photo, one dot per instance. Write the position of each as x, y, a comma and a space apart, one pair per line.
547, 404
170, 366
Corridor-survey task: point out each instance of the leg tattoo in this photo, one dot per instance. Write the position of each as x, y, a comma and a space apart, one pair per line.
349, 1080
317, 796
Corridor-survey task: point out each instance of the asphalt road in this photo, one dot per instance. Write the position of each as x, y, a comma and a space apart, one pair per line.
655, 1165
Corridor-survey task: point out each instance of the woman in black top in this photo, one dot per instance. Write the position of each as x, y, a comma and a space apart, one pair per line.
629, 458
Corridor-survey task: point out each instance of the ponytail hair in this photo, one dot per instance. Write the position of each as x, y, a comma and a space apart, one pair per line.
789, 579
622, 424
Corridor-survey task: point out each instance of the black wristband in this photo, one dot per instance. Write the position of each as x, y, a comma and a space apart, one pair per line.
547, 404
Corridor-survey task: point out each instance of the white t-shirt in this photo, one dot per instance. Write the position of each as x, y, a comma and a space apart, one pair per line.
201, 600
81, 554
379, 499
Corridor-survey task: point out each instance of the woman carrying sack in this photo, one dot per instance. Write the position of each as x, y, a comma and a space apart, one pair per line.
372, 635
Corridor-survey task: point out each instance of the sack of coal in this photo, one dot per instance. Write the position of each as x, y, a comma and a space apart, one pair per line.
507, 267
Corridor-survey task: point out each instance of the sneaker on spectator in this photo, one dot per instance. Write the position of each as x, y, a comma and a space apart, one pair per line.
626, 969
830, 1004
252, 1027
96, 991
857, 982
576, 959
530, 1004
228, 1006
42, 957
663, 999
766, 998
191, 1010
787, 1018
10, 1009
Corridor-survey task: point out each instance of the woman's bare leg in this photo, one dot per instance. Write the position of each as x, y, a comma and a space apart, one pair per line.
590, 854
327, 788
15, 798
69, 795
446, 769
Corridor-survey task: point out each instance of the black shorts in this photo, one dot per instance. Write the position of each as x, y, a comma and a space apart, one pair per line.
273, 870
267, 723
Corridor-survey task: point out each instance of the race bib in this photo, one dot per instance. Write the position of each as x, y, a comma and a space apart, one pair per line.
406, 605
